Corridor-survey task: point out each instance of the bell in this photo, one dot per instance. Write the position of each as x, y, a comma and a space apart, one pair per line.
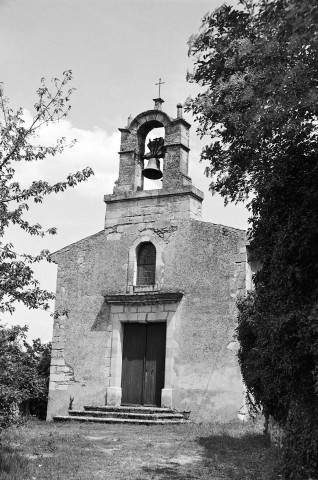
153, 171
156, 151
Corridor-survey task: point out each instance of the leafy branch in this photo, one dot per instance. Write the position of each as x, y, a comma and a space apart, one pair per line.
18, 144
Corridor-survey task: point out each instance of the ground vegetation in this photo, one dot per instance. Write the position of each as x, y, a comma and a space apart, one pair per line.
138, 452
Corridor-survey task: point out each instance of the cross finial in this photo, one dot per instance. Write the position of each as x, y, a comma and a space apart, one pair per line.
160, 83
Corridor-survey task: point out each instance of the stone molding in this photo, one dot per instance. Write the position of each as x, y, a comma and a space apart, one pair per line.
133, 150
153, 115
181, 145
143, 298
135, 195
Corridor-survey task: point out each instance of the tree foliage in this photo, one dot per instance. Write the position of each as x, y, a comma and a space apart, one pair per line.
19, 143
24, 374
24, 368
258, 64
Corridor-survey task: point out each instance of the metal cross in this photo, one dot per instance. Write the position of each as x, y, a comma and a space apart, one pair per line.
159, 83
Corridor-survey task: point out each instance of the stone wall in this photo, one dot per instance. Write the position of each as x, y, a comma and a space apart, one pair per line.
148, 207
200, 271
205, 262
132, 149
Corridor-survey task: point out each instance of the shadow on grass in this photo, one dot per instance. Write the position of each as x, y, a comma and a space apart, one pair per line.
247, 457
172, 473
226, 444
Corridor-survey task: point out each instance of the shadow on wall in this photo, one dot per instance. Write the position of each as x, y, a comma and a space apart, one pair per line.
103, 318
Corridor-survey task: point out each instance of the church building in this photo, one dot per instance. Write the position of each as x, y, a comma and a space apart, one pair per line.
147, 305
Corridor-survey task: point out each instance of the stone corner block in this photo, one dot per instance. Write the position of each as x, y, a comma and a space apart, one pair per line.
113, 395
166, 397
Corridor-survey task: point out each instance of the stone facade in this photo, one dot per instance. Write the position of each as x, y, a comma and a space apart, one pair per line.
200, 271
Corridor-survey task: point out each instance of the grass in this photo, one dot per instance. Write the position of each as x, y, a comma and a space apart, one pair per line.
40, 451
12, 464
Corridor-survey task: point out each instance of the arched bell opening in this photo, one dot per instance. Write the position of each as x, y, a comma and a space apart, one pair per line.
153, 167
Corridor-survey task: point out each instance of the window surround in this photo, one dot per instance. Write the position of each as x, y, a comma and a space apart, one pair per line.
146, 264
159, 244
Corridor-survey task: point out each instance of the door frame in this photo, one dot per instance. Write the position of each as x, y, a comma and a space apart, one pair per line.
143, 313
137, 386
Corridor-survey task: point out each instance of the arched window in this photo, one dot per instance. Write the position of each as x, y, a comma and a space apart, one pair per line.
146, 264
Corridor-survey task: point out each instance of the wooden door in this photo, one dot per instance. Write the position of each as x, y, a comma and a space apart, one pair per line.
133, 363
143, 363
154, 375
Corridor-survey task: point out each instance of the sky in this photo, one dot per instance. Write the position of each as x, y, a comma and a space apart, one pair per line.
117, 51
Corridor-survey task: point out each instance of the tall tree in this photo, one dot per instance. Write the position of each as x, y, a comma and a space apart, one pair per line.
19, 143
24, 368
258, 64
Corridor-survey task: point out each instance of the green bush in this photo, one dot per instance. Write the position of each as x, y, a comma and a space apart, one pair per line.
24, 375
300, 451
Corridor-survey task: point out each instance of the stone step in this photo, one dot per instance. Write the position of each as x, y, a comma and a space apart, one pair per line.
127, 414
85, 418
128, 408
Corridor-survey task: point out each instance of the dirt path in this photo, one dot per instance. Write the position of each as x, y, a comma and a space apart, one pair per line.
119, 452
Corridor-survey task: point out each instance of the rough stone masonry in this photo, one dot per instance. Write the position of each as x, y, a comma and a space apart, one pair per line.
200, 269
